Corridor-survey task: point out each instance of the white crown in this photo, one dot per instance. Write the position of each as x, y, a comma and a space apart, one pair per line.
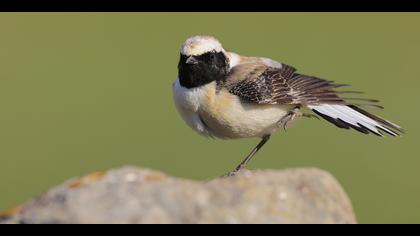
198, 45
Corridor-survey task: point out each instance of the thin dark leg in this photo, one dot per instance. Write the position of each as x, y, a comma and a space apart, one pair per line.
250, 155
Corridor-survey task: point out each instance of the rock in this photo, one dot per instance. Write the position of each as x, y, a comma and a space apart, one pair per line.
135, 195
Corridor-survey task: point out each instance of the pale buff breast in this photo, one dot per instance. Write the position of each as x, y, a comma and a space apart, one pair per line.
227, 117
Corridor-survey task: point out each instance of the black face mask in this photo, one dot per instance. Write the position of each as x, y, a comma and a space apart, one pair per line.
195, 71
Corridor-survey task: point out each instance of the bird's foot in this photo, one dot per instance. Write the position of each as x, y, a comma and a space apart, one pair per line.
306, 115
234, 172
286, 121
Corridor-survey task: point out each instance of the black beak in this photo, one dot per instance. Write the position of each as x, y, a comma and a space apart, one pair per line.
191, 60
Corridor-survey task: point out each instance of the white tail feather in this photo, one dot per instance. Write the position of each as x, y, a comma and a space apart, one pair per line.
344, 114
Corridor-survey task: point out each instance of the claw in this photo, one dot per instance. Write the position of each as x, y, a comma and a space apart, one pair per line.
306, 115
289, 117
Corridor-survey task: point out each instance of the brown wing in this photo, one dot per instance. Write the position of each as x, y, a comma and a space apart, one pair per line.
268, 85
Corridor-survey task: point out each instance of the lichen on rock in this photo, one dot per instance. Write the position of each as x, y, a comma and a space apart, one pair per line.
136, 195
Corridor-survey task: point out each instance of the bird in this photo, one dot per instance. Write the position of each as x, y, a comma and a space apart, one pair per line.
225, 95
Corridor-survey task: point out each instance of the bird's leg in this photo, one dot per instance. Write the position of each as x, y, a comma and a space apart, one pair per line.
249, 157
289, 117
307, 115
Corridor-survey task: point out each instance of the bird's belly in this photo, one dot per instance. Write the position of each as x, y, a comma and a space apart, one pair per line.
231, 118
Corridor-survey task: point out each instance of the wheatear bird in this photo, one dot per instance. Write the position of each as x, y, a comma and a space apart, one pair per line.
222, 94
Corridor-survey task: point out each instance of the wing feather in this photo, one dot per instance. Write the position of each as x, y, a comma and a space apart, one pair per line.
263, 84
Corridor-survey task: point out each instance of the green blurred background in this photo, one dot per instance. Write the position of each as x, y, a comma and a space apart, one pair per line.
81, 92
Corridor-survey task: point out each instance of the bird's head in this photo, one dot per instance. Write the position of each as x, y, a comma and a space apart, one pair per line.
202, 61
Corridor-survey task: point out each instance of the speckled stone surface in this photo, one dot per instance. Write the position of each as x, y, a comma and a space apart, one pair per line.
136, 195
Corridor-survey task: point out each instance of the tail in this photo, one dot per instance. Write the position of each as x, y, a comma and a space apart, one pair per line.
351, 116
